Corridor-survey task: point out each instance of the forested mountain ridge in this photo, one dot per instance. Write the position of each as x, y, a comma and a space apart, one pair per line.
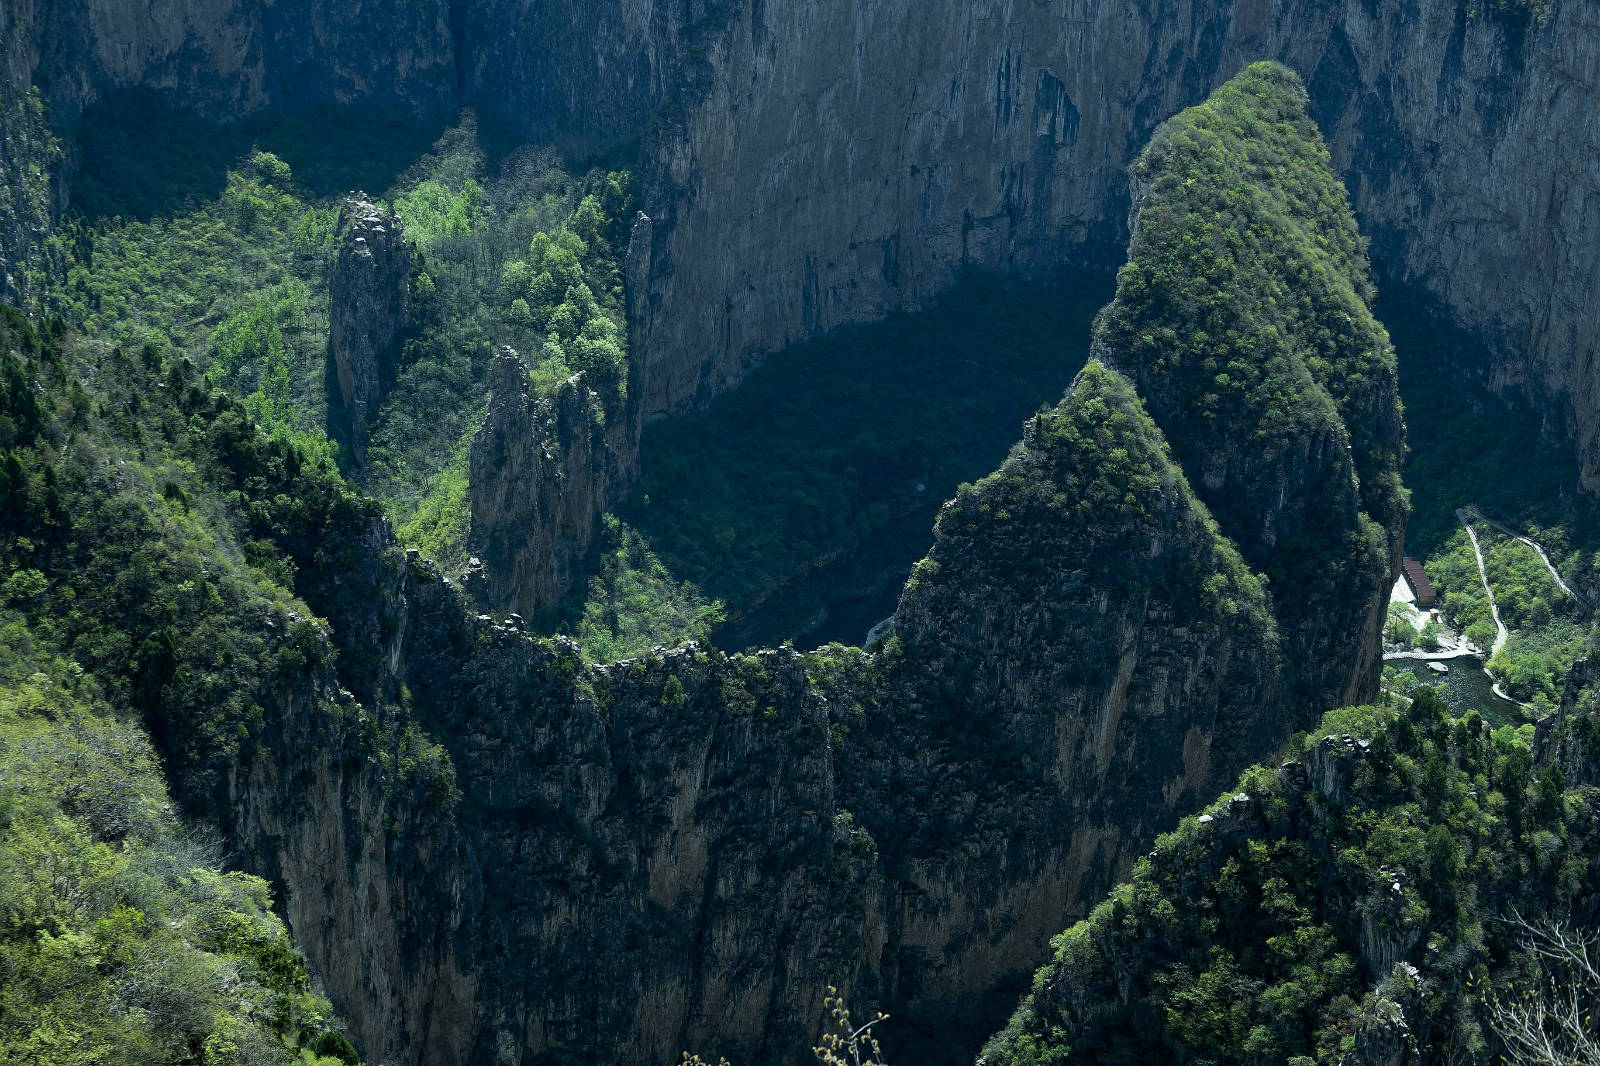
484, 843
1244, 318
1369, 901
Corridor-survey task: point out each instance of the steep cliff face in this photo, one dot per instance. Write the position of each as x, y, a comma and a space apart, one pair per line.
224, 58
28, 157
846, 160
493, 852
542, 472
685, 850
1084, 655
816, 164
369, 296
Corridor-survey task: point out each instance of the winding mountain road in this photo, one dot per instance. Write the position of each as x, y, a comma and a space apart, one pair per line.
1475, 515
1465, 514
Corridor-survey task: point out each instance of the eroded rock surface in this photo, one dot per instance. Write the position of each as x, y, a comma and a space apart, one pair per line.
369, 312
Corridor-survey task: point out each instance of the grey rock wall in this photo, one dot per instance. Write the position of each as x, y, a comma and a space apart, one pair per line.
848, 158
811, 163
369, 313
542, 471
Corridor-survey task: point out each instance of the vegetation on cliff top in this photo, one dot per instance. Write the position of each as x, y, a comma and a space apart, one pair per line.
215, 243
1095, 476
1243, 315
121, 938
1353, 897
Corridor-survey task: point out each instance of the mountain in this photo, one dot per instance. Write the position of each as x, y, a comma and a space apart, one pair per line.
485, 846
1379, 897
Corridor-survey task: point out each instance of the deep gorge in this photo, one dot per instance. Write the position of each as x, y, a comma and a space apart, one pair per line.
599, 332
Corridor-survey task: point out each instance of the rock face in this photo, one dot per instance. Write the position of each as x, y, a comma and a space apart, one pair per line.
542, 472
369, 312
224, 58
28, 155
493, 852
812, 164
686, 850
847, 159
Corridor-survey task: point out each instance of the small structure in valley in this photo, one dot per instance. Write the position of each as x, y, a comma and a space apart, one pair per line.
1417, 578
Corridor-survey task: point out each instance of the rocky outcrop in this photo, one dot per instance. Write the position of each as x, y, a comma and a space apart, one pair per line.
543, 469
1288, 875
28, 156
369, 313
1570, 738
29, 161
495, 852
1244, 317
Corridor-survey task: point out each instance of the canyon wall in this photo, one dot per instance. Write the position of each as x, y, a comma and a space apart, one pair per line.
685, 850
848, 158
812, 164
496, 853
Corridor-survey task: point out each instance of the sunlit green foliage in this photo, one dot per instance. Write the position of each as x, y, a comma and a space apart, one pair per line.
1268, 930
1549, 630
192, 239
634, 604
472, 223
121, 939
1243, 316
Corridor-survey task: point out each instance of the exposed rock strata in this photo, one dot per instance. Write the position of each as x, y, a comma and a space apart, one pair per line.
369, 312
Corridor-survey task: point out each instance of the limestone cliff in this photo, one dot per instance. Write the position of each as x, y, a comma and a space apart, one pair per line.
813, 164
542, 472
494, 852
225, 58
847, 159
685, 850
369, 296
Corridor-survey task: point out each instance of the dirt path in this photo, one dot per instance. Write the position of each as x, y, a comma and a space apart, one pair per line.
1500, 635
